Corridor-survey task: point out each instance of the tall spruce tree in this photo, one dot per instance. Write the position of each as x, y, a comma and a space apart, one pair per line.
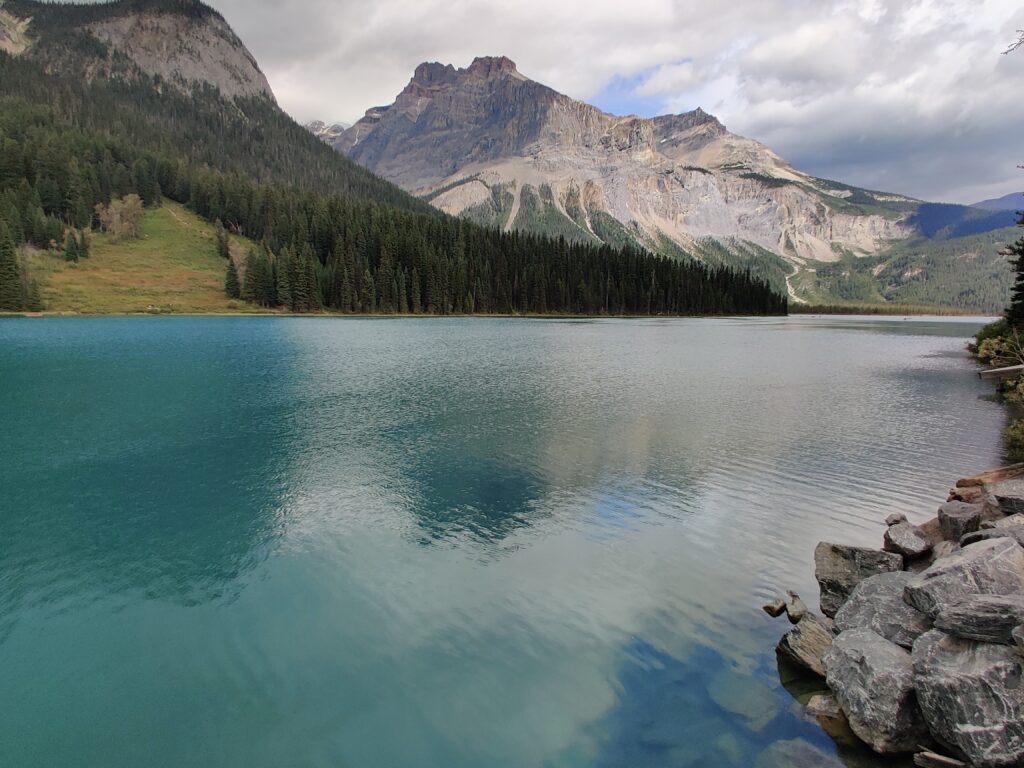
1015, 312
232, 287
12, 286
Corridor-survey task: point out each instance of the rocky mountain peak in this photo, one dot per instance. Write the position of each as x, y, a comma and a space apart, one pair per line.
183, 42
492, 66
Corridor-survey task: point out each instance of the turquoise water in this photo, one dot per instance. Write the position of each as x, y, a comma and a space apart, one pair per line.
443, 542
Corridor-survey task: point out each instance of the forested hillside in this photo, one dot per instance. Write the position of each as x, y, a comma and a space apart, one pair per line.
329, 230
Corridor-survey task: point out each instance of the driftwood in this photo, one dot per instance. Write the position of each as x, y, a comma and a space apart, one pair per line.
992, 476
932, 760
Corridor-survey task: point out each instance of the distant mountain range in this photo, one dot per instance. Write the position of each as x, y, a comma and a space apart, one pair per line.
490, 144
1011, 202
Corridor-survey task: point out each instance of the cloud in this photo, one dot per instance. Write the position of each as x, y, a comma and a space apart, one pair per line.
911, 96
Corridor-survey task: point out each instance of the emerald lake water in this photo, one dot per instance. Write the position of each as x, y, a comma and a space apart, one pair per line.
461, 543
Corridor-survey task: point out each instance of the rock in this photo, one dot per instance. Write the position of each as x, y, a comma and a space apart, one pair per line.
895, 519
775, 608
985, 618
877, 604
741, 695
993, 567
796, 753
873, 681
987, 534
1018, 638
905, 539
931, 530
839, 569
1008, 495
806, 643
830, 716
972, 697
796, 609
958, 518
1009, 522
972, 495
944, 549
933, 760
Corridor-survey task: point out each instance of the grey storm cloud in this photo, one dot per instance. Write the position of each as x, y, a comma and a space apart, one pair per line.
910, 96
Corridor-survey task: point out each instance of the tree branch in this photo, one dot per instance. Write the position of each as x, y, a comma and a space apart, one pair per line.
1017, 44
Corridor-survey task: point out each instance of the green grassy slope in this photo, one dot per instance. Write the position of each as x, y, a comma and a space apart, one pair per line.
172, 268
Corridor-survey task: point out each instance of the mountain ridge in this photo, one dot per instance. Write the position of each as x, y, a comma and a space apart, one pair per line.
464, 137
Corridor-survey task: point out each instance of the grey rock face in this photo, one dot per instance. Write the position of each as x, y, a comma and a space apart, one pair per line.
993, 567
972, 697
877, 604
1018, 638
895, 519
985, 618
906, 540
806, 644
873, 681
1008, 495
839, 569
1014, 533
958, 518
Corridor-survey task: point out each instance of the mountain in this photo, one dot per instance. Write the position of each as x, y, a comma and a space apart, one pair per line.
491, 145
328, 134
130, 116
1011, 202
181, 42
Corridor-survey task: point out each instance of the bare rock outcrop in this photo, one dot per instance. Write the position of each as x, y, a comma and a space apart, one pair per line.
994, 567
839, 569
873, 681
972, 697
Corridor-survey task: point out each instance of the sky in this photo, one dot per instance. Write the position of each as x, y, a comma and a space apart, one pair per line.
909, 96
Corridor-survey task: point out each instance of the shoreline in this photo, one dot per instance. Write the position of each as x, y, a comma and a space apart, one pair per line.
919, 647
552, 316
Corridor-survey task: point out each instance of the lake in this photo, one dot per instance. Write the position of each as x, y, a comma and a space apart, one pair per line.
445, 542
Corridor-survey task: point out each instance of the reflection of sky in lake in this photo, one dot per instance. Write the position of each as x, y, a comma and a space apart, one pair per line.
442, 542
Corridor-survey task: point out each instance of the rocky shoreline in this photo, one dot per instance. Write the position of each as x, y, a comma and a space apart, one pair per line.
921, 642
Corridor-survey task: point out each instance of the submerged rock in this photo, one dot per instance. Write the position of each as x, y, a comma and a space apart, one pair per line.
744, 697
839, 569
957, 518
873, 681
796, 753
906, 540
985, 618
972, 697
830, 716
993, 567
806, 644
877, 604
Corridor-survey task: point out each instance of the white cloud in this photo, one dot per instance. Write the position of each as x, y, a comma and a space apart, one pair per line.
905, 95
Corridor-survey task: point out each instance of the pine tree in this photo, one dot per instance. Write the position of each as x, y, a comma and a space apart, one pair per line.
1015, 312
71, 251
12, 297
223, 241
231, 285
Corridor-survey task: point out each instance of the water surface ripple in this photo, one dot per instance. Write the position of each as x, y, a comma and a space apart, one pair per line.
443, 542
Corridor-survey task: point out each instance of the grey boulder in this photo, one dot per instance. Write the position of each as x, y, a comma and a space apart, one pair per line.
985, 618
972, 697
1008, 495
994, 567
1013, 533
839, 569
957, 518
806, 643
877, 604
906, 540
873, 681
796, 753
